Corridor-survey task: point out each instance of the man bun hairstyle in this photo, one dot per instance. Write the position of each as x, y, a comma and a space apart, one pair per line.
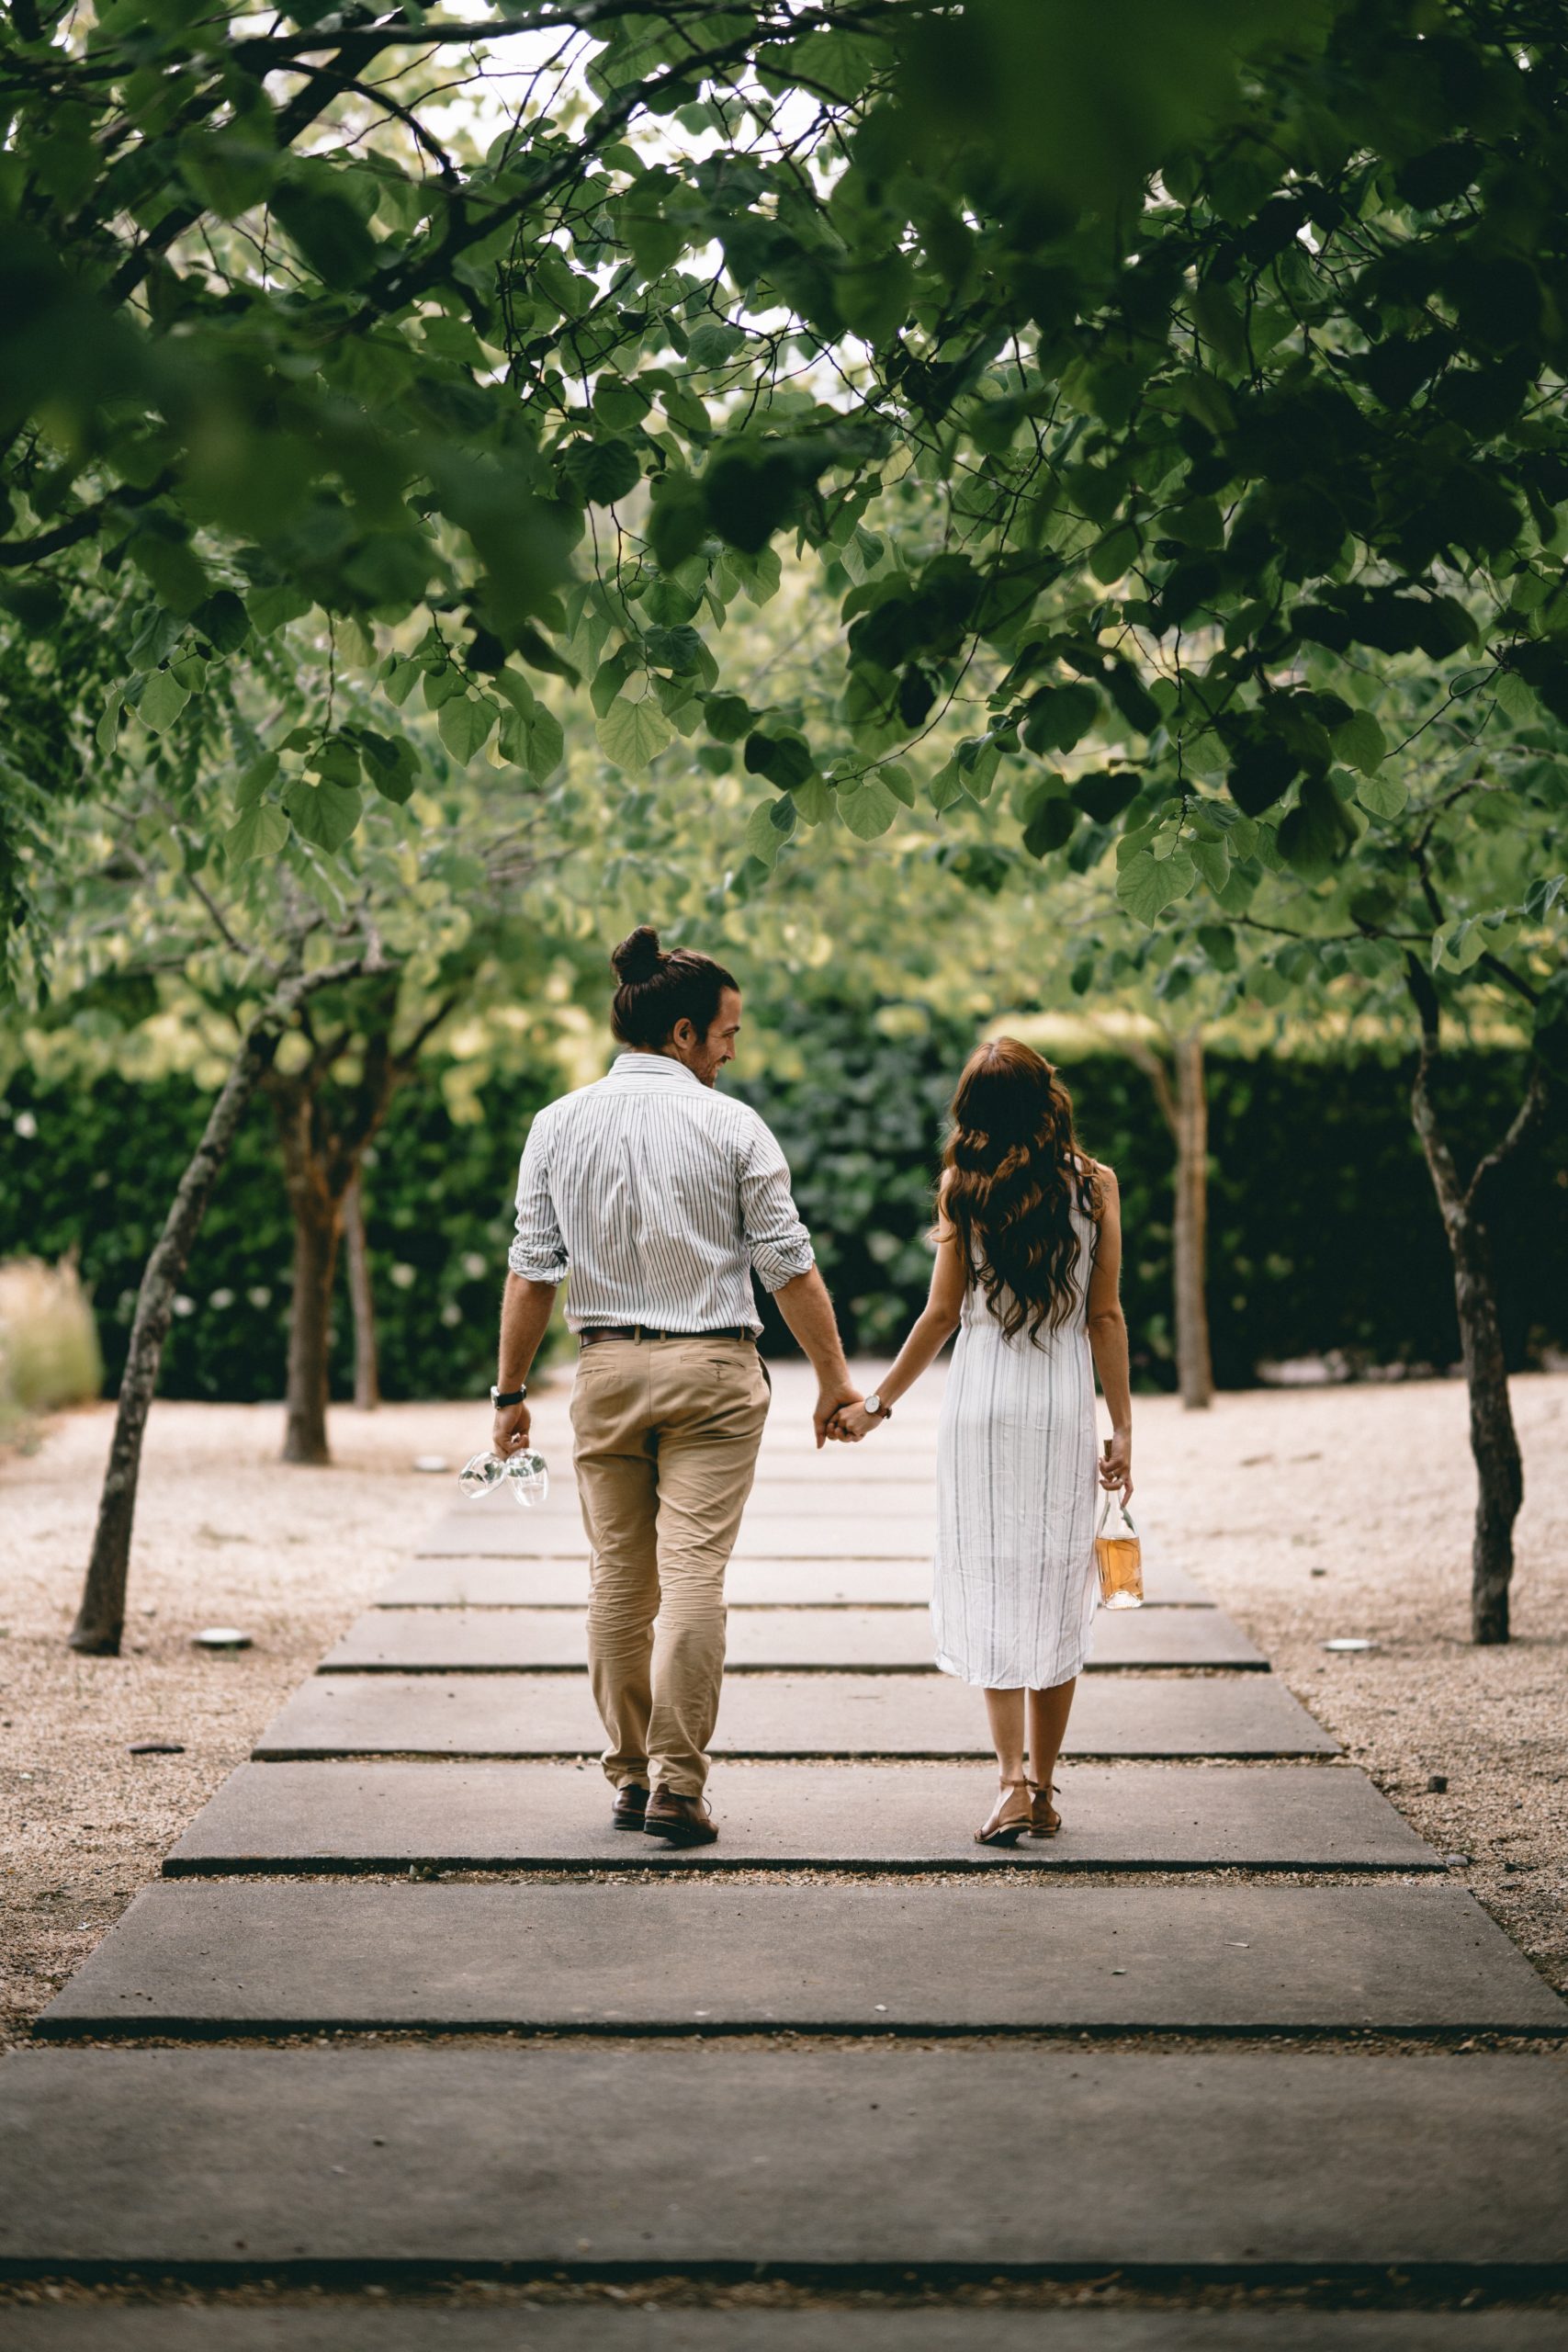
658, 989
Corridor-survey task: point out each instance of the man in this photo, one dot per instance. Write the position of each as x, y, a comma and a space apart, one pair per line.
661, 1197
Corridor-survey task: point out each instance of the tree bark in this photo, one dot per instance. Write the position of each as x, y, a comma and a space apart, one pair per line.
100, 1620
317, 1224
1194, 1360
325, 1134
1185, 1109
361, 1298
1494, 1442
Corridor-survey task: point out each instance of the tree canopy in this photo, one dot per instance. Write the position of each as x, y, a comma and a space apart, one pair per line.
1111, 392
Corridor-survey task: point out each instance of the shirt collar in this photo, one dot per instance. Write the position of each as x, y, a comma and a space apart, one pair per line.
655, 1065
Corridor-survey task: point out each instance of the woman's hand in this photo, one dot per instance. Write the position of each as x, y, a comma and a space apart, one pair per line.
1116, 1464
852, 1422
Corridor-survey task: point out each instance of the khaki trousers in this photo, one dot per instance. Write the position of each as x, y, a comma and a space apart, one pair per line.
666, 1435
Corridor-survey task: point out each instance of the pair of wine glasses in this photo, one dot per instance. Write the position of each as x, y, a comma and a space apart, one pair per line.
523, 1471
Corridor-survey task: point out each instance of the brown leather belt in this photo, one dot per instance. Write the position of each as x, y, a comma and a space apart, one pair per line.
646, 1332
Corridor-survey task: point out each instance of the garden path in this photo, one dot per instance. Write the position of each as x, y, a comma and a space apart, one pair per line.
1211, 2032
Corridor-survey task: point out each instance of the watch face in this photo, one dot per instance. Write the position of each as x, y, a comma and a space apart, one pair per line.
874, 1403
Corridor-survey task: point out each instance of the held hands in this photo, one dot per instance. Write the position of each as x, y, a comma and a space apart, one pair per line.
1116, 1465
852, 1422
509, 1429
831, 1402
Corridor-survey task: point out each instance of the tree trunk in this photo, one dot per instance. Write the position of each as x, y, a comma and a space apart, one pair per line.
1185, 1109
100, 1620
361, 1298
1194, 1361
1494, 1442
318, 1223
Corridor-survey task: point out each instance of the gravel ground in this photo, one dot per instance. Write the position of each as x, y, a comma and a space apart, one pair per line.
1308, 1513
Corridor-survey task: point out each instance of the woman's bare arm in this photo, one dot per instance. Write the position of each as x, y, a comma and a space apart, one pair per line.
1108, 1336
929, 1333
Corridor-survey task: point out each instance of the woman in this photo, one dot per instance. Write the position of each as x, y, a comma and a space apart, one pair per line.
1029, 1253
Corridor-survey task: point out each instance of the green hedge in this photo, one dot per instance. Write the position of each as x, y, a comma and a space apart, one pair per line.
1324, 1234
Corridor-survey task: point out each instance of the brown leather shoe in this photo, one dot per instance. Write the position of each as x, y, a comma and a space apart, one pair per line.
631, 1805
683, 1821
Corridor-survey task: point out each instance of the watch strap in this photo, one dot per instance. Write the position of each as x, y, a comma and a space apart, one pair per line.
500, 1397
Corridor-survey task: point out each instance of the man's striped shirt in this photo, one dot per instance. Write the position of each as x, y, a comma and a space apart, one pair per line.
659, 1197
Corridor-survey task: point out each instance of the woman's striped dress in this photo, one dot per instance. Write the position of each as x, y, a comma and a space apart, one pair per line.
1014, 1592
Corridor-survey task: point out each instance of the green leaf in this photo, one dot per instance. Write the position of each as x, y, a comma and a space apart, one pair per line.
1114, 556
400, 679
1146, 885
323, 814
726, 716
329, 233
106, 735
1458, 946
763, 837
163, 700
1380, 795
784, 760
464, 725
598, 472
546, 744
1360, 743
898, 780
633, 734
812, 802
253, 781
1316, 833
1212, 860
1104, 795
867, 808
260, 831
222, 619
1051, 825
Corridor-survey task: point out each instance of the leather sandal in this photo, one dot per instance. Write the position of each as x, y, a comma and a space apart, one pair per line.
1045, 1819
1011, 1816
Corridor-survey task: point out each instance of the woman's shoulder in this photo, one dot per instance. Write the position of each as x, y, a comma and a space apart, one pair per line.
1099, 1179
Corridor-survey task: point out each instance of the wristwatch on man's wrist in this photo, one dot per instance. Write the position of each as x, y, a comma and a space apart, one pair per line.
876, 1407
500, 1397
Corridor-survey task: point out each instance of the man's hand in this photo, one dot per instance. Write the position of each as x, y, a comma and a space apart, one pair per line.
830, 1401
510, 1430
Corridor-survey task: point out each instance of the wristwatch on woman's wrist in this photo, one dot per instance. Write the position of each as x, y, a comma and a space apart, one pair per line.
500, 1397
876, 1407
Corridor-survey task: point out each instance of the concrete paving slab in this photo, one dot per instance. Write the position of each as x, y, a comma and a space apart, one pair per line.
345, 2324
786, 1714
240, 1956
871, 1818
546, 1534
494, 1583
730, 2157
877, 1641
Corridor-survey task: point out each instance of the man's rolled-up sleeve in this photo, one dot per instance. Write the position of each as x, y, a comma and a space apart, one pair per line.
537, 1254
778, 1241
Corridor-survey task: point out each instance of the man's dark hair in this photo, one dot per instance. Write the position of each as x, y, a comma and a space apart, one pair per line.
657, 989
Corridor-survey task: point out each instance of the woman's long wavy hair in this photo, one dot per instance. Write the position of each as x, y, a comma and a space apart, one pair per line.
1012, 1175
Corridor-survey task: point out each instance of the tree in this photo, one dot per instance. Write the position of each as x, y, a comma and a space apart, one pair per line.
1248, 348
100, 1620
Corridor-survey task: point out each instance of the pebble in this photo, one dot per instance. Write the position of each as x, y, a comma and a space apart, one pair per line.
1457, 1861
156, 1747
1437, 1784
220, 1637
1349, 1642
